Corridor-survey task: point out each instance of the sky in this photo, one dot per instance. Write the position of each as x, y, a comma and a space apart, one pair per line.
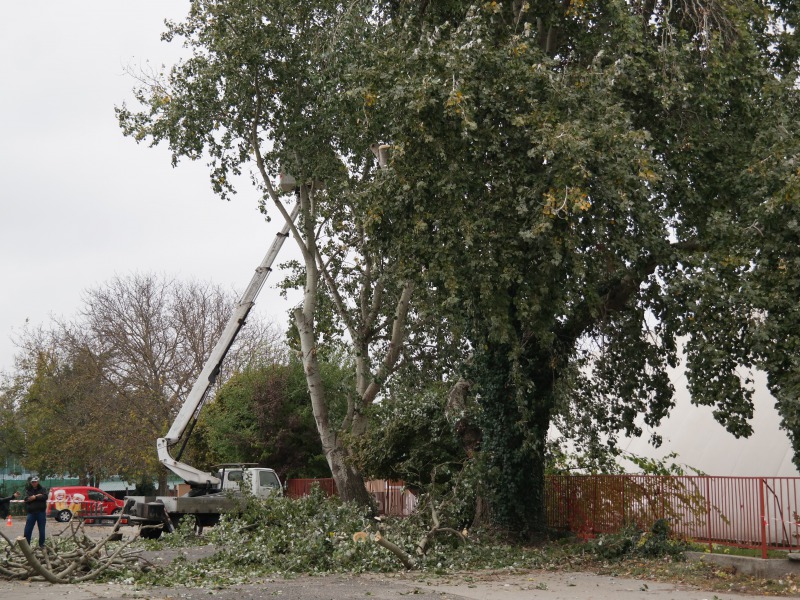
80, 203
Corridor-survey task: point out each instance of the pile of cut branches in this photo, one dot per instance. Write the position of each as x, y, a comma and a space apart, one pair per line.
71, 557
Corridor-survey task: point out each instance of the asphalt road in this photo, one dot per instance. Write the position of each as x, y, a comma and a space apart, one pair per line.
534, 585
54, 528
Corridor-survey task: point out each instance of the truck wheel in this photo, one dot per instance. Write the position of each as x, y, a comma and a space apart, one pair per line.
151, 533
176, 522
64, 516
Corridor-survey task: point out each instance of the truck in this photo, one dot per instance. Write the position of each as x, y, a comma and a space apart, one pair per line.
224, 490
156, 514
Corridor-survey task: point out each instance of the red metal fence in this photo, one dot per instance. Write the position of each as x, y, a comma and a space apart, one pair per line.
297, 488
390, 496
753, 512
743, 511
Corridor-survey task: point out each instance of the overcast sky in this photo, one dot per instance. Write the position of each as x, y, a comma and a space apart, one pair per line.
80, 202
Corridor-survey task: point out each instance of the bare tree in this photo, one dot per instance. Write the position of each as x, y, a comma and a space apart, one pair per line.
116, 375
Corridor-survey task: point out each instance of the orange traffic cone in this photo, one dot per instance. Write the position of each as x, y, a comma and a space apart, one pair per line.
8, 521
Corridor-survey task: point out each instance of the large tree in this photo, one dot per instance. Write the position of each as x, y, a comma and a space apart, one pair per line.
12, 436
573, 185
250, 97
586, 183
69, 421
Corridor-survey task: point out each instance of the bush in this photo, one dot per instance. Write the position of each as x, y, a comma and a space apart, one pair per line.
632, 541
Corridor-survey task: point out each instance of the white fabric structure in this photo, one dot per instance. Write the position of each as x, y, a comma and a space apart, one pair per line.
704, 444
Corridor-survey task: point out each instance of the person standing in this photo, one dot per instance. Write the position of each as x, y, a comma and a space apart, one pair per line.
5, 505
36, 503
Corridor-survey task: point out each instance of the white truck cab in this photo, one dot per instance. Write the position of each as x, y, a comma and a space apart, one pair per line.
258, 481
165, 512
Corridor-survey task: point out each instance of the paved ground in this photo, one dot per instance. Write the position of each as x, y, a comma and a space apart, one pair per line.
532, 585
54, 528
541, 585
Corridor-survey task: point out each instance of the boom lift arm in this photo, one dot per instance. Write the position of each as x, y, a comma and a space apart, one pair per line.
194, 401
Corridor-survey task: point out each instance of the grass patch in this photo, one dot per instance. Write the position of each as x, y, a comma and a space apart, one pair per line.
735, 550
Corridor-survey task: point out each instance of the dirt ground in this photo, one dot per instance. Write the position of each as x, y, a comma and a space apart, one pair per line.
491, 586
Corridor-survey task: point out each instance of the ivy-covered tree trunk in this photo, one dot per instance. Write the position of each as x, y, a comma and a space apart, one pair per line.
515, 420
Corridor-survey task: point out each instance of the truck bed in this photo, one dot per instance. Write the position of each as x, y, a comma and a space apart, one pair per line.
151, 508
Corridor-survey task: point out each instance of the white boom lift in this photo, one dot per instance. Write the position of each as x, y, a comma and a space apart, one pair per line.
208, 375
206, 500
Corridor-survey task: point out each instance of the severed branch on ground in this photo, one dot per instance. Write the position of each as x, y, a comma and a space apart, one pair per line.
78, 559
405, 558
437, 529
423, 545
409, 562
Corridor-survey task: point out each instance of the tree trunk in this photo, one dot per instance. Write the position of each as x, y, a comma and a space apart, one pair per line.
349, 483
163, 486
515, 424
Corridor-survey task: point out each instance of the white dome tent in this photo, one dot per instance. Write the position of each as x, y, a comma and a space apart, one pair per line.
703, 444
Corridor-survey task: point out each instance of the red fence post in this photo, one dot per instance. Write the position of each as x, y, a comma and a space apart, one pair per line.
708, 513
762, 502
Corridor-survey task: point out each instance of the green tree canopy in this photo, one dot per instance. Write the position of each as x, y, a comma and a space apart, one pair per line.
411, 438
571, 187
263, 414
585, 184
12, 436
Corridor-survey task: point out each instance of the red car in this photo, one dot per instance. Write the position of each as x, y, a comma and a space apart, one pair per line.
83, 501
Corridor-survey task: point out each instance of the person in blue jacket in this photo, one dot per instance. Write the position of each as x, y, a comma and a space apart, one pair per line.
36, 503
